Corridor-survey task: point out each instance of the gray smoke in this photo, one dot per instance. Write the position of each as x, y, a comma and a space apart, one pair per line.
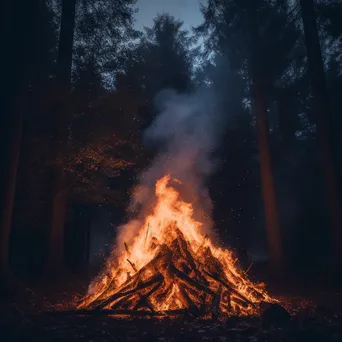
186, 131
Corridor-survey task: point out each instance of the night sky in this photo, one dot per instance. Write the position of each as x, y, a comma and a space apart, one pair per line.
186, 10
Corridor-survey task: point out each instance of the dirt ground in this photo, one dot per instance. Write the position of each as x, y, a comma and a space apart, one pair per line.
315, 316
46, 327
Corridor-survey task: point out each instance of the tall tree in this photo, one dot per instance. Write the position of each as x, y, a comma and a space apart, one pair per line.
65, 45
24, 81
267, 177
170, 46
63, 77
324, 122
8, 182
248, 36
89, 31
162, 60
103, 29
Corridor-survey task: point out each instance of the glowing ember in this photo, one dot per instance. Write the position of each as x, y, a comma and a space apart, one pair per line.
171, 265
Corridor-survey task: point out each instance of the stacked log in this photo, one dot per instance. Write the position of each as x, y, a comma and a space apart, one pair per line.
176, 282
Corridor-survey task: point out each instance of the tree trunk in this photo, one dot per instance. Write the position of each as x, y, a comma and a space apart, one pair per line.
324, 123
287, 124
260, 107
66, 39
63, 77
56, 242
267, 179
11, 124
9, 193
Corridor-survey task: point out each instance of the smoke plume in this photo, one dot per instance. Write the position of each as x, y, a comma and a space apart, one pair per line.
185, 131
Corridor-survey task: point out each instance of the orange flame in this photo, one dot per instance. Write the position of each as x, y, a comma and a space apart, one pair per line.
171, 218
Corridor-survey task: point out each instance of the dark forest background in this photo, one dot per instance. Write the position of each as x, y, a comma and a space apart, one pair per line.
80, 83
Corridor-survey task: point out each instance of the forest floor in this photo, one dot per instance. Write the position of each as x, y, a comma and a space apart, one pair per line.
316, 315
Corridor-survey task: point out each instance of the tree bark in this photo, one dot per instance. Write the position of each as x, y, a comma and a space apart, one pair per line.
9, 194
56, 241
324, 123
267, 179
260, 106
66, 39
287, 125
63, 77
13, 75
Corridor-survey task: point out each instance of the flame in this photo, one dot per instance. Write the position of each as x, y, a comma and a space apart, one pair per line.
171, 239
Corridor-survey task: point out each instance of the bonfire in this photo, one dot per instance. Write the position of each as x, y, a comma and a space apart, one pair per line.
173, 267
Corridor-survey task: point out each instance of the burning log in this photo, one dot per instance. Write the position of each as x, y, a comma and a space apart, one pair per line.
182, 276
144, 298
184, 249
163, 257
214, 266
109, 291
208, 261
144, 302
164, 293
156, 278
121, 301
227, 301
133, 265
192, 291
182, 269
187, 302
240, 302
230, 288
215, 306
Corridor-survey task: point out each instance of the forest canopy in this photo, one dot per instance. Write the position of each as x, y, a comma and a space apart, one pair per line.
87, 80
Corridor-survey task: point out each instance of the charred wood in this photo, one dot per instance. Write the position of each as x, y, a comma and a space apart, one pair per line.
185, 250
215, 306
126, 248
187, 302
239, 302
229, 287
133, 265
128, 284
156, 278
160, 260
144, 298
121, 301
182, 276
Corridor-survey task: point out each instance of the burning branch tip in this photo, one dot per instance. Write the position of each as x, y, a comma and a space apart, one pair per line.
147, 231
133, 265
126, 248
249, 268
